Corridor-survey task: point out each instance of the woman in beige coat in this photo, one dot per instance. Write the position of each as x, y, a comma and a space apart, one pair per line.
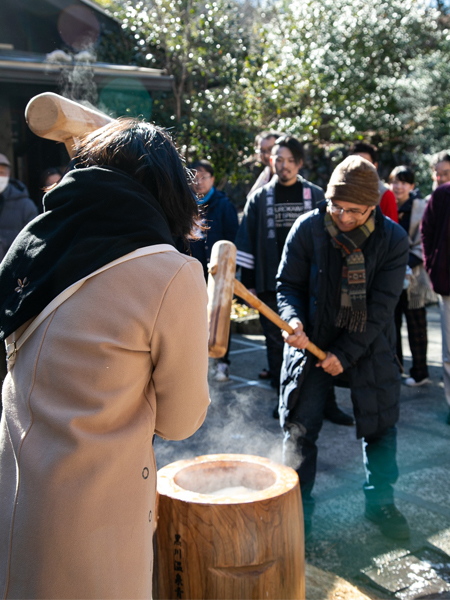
107, 337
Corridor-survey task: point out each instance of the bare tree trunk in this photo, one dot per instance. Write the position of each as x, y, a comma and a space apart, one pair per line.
177, 95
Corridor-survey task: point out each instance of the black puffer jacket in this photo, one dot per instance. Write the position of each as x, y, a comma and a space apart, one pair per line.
308, 286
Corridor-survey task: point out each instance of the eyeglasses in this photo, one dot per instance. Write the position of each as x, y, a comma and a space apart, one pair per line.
337, 210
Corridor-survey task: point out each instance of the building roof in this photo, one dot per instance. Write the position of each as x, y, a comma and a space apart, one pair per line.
31, 31
23, 67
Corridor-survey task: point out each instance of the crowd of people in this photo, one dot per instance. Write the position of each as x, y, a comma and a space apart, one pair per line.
276, 197
343, 276
106, 334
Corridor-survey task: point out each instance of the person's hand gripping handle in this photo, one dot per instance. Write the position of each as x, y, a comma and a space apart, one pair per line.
298, 339
241, 291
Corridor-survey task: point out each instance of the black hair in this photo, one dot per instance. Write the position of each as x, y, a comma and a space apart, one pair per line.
203, 164
48, 173
292, 143
366, 148
147, 153
402, 173
266, 135
440, 157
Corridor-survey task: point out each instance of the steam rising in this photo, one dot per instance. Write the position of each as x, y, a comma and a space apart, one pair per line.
76, 80
230, 478
233, 425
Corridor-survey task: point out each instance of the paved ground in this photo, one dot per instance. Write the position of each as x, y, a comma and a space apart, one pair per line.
343, 542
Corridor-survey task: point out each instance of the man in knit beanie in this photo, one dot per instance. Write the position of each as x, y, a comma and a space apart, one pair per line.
339, 280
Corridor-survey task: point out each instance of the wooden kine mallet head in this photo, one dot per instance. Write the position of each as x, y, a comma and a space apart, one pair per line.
56, 118
221, 286
222, 269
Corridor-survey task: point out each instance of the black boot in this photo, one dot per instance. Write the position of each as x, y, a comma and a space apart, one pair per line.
389, 519
333, 413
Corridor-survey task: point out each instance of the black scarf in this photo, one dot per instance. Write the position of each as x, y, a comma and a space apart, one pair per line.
94, 216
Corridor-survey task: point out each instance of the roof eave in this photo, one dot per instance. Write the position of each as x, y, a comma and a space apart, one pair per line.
26, 71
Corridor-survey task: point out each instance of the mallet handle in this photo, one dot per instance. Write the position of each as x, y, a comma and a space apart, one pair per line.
241, 291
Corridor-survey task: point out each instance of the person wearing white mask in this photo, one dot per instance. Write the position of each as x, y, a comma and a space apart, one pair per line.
16, 207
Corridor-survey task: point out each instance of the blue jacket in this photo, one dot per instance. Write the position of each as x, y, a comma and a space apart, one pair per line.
308, 287
220, 216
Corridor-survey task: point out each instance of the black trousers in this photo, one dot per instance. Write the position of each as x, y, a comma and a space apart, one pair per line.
274, 339
416, 321
300, 449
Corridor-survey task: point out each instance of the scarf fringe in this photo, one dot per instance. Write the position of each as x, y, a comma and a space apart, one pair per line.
353, 320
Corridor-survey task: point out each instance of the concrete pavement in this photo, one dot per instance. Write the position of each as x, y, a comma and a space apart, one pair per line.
343, 542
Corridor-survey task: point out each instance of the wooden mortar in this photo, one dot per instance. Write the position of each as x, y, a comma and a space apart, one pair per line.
212, 547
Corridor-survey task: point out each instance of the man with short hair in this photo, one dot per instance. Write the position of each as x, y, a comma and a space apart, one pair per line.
339, 281
264, 142
268, 216
258, 169
388, 204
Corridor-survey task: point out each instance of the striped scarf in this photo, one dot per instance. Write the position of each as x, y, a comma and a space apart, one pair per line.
353, 310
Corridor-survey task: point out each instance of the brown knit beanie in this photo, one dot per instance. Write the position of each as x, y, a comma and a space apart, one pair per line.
354, 180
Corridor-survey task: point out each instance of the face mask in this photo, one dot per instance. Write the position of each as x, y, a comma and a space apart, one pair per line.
3, 183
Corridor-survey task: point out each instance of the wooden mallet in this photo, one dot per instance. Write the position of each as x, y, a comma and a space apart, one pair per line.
221, 286
56, 118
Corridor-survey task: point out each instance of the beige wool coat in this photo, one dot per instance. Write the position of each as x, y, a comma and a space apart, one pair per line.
123, 358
